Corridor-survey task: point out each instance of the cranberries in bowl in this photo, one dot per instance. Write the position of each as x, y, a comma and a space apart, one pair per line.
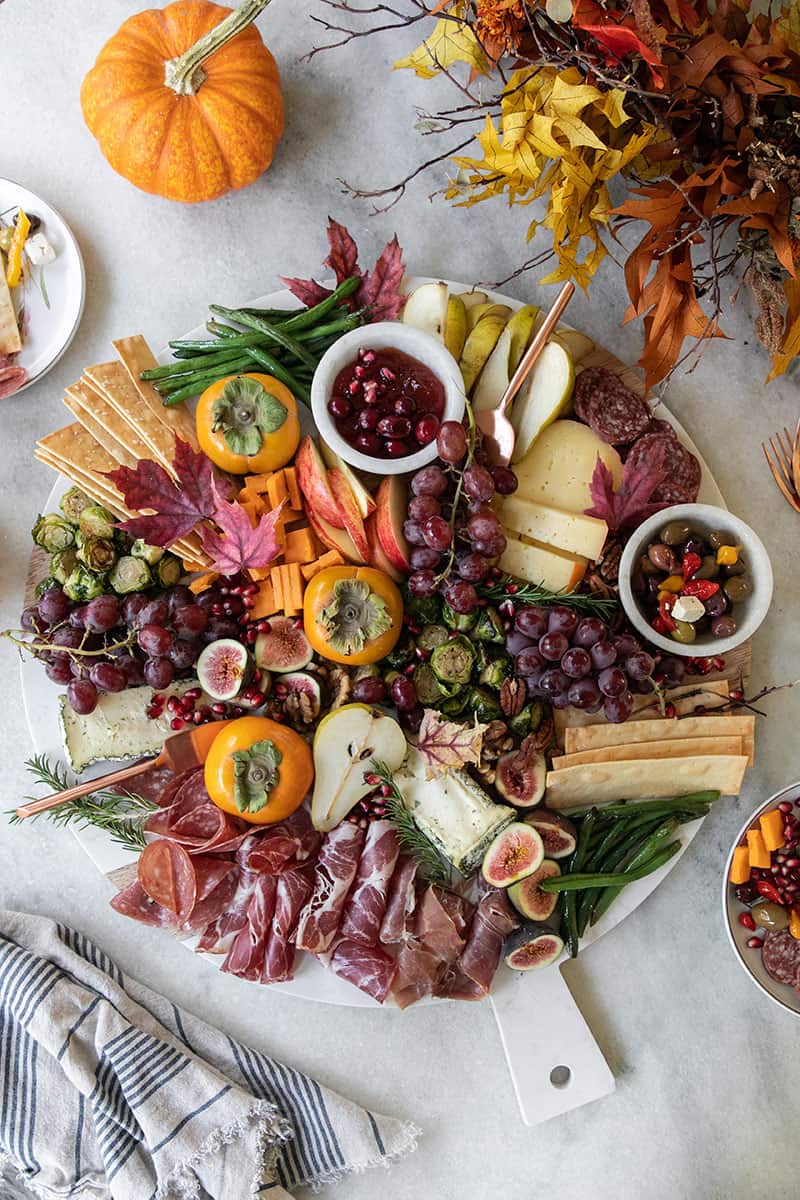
380, 394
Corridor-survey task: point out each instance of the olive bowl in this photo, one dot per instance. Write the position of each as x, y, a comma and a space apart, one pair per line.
738, 935
384, 335
704, 519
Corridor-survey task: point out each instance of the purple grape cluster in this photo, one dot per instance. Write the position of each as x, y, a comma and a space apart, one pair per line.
475, 534
134, 640
572, 660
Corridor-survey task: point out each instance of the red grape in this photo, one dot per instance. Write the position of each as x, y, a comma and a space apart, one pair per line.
134, 670
190, 620
132, 605
67, 636
561, 619
473, 567
436, 533
422, 583
54, 606
423, 558
108, 678
478, 483
154, 612
158, 673
560, 701
604, 654
528, 661
412, 530
178, 597
404, 694
483, 527
672, 670
554, 682
531, 621
369, 690
411, 719
589, 631
103, 613
584, 693
451, 442
626, 645
516, 642
491, 547
618, 708
82, 696
155, 640
31, 621
209, 597
612, 682
182, 654
58, 669
422, 507
220, 627
553, 647
639, 665
430, 481
505, 481
576, 662
461, 596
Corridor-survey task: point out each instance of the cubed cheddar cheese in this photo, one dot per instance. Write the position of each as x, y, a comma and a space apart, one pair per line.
289, 586
300, 547
202, 582
292, 487
574, 533
277, 492
545, 565
257, 484
331, 558
265, 605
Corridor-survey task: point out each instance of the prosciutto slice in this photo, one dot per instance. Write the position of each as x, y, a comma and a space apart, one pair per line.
335, 871
368, 967
246, 955
366, 904
294, 889
441, 923
401, 903
219, 934
11, 380
474, 970
280, 847
418, 971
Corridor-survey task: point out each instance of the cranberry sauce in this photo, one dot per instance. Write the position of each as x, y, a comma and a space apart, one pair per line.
386, 403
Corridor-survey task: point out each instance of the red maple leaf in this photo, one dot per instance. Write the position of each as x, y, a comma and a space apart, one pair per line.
379, 290
177, 505
631, 504
619, 41
241, 546
380, 287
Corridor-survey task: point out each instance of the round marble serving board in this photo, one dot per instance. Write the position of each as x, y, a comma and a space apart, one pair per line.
568, 1047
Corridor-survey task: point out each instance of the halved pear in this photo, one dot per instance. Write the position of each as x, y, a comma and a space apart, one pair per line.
470, 298
426, 309
521, 326
544, 396
479, 345
576, 343
504, 359
455, 331
346, 742
479, 312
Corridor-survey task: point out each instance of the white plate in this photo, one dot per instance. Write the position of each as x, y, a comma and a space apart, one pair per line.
312, 981
48, 329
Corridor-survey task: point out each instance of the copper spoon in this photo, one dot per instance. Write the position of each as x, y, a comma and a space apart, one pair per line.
181, 752
498, 432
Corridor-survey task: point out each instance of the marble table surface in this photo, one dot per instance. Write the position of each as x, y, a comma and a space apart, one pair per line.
697, 1052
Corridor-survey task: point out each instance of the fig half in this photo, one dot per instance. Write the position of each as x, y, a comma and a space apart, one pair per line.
223, 669
528, 898
514, 853
521, 775
558, 833
285, 648
532, 946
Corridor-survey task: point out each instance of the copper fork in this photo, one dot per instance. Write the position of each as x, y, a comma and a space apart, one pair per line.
783, 459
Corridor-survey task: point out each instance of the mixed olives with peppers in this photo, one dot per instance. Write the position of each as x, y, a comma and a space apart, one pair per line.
689, 582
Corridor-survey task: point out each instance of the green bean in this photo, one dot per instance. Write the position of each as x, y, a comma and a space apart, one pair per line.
620, 858
675, 802
321, 332
274, 332
311, 316
204, 362
222, 331
264, 360
660, 835
184, 389
569, 909
576, 883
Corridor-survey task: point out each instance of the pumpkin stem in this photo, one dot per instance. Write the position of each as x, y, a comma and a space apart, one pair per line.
185, 74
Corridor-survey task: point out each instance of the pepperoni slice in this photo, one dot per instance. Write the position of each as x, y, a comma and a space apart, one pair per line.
611, 410
682, 483
780, 955
167, 874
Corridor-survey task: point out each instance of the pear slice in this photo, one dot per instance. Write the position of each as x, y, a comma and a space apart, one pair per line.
346, 742
455, 332
504, 359
576, 343
479, 312
544, 396
479, 345
470, 298
426, 309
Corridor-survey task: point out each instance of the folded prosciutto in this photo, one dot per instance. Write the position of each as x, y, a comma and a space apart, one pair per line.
218, 936
368, 967
401, 904
333, 877
246, 955
471, 976
366, 904
294, 888
418, 972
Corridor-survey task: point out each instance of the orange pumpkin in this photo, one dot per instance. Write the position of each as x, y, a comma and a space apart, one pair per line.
185, 101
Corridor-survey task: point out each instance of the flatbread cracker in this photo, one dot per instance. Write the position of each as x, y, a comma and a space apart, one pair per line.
641, 779
731, 724
687, 698
98, 432
136, 356
676, 748
113, 381
124, 430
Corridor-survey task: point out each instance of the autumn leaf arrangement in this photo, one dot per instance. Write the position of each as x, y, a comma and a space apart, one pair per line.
690, 111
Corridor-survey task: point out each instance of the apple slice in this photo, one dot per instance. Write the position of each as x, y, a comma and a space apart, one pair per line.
364, 501
353, 520
544, 396
392, 501
346, 741
377, 558
426, 309
312, 479
333, 538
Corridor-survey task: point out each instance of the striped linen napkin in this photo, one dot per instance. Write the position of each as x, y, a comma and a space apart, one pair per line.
109, 1090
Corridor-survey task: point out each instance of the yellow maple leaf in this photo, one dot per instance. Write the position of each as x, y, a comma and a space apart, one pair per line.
788, 26
452, 41
790, 346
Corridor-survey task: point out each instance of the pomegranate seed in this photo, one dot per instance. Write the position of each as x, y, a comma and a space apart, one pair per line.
512, 589
217, 609
173, 704
746, 919
669, 709
380, 810
218, 708
176, 723
225, 591
256, 676
793, 862
410, 669
249, 602
197, 717
250, 636
775, 869
264, 627
780, 858
386, 789
193, 693
236, 711
250, 590
785, 806
354, 387
279, 717
359, 372
369, 357
753, 943
371, 778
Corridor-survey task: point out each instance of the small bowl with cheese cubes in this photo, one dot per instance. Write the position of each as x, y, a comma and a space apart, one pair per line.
695, 580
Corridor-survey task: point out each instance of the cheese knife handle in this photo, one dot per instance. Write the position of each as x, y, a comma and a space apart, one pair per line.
83, 789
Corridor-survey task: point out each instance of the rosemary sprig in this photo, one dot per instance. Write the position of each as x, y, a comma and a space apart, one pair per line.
121, 816
508, 588
411, 838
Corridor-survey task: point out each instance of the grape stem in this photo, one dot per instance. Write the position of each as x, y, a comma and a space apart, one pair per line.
35, 646
472, 432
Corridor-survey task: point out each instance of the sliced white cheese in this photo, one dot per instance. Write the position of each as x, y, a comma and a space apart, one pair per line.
688, 608
10, 341
119, 728
558, 467
39, 250
452, 811
573, 532
552, 568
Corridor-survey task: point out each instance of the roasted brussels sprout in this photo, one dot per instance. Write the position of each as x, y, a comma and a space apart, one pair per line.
130, 574
150, 554
452, 662
96, 521
489, 626
96, 553
73, 503
83, 584
168, 570
461, 622
63, 563
53, 532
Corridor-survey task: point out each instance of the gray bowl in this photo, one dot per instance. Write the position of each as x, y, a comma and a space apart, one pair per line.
750, 960
705, 518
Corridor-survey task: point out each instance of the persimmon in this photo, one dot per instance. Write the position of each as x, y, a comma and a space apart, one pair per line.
352, 615
258, 770
248, 424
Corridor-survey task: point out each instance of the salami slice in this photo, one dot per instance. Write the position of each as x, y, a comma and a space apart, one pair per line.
153, 785
780, 955
167, 875
682, 483
611, 410
133, 901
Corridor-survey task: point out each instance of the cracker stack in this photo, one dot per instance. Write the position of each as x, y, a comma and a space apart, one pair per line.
120, 419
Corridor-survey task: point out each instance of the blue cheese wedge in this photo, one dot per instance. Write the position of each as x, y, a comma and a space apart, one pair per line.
118, 729
452, 811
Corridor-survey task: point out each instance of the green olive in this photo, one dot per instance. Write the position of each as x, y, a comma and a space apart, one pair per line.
736, 588
675, 533
737, 568
718, 538
769, 916
709, 568
684, 632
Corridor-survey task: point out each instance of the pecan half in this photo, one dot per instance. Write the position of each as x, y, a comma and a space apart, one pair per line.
513, 694
543, 738
494, 739
609, 563
341, 686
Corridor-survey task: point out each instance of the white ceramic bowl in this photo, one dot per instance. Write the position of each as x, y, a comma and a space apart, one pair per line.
750, 960
385, 335
705, 518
